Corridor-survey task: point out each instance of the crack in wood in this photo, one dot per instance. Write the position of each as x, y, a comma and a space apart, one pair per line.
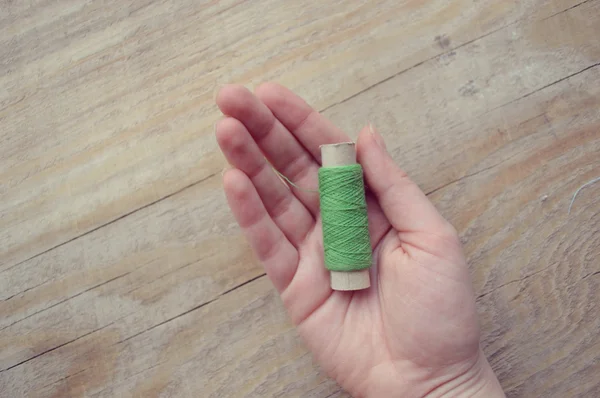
57, 347
115, 220
68, 298
513, 281
191, 309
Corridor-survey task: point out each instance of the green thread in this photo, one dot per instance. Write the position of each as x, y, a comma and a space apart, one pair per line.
344, 215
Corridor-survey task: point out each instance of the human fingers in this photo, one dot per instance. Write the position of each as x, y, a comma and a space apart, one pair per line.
277, 144
272, 248
284, 208
309, 127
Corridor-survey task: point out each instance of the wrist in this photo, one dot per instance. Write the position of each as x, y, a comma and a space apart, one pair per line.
478, 381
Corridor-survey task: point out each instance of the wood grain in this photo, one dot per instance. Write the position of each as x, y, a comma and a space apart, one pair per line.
123, 273
536, 267
119, 94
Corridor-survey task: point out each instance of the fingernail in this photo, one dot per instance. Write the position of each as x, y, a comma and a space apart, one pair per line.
378, 138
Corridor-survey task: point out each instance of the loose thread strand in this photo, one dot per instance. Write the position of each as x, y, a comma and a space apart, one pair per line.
595, 180
289, 182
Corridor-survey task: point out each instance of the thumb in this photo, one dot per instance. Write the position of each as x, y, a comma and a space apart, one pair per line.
404, 204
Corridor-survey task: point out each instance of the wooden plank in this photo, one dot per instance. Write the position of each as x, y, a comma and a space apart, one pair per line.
510, 313
138, 249
108, 107
419, 111
538, 330
422, 124
553, 129
535, 265
159, 262
212, 351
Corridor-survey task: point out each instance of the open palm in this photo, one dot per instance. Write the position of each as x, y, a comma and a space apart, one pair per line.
414, 331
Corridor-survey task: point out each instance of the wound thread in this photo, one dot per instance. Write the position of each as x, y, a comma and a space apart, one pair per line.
346, 239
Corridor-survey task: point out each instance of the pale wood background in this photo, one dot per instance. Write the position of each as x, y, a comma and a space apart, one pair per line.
122, 272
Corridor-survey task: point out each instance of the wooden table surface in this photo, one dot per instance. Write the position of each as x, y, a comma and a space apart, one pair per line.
122, 272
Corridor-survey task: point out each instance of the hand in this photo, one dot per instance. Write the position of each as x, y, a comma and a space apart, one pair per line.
414, 332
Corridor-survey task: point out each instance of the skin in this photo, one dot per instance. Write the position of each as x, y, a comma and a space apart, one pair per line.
414, 332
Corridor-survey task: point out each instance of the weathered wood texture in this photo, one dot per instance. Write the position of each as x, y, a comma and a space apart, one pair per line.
122, 272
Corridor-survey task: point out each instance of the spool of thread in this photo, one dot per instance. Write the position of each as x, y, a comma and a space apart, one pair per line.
346, 239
